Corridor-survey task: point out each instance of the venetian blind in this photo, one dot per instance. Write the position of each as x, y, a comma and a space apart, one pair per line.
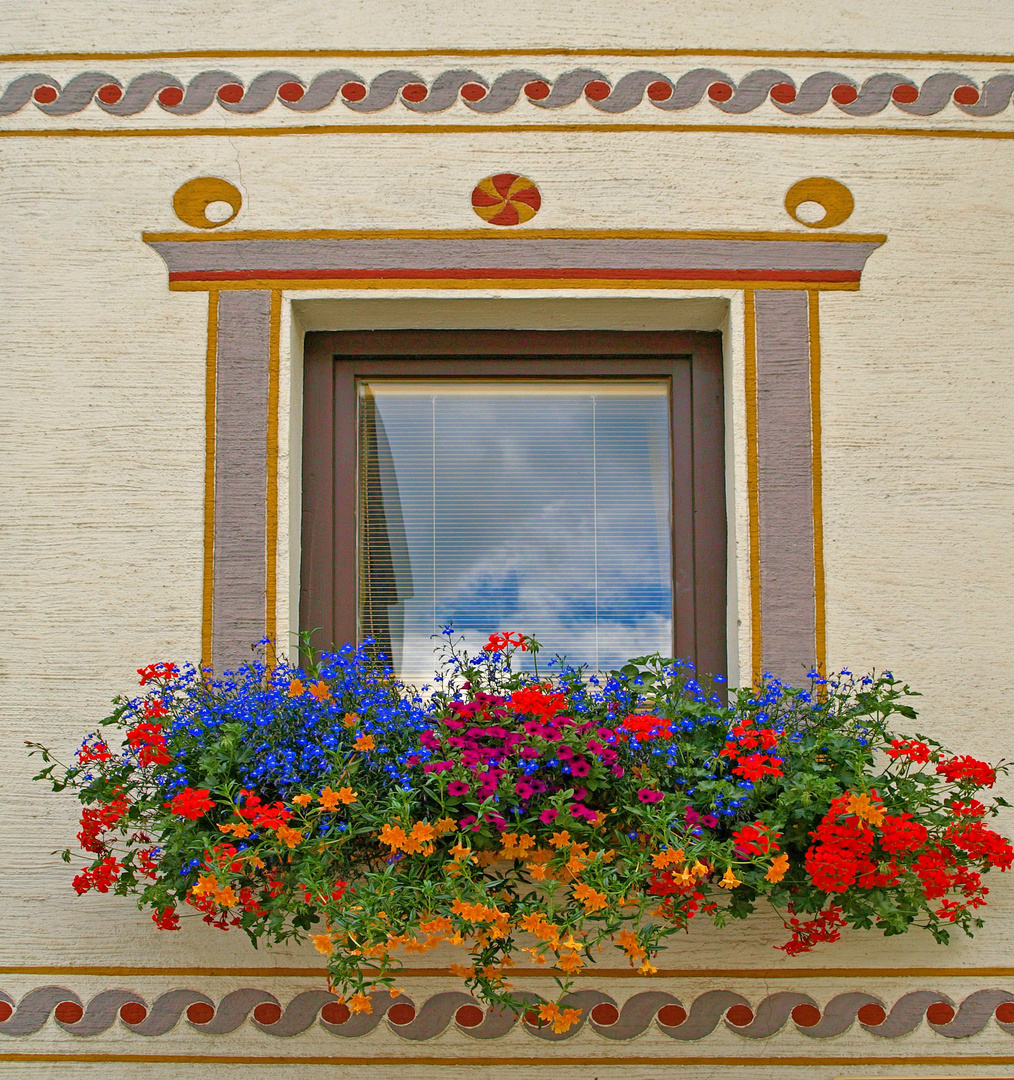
539, 506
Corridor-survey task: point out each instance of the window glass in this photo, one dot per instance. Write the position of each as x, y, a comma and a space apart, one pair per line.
532, 505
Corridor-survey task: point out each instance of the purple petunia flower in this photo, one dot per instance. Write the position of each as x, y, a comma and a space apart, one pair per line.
647, 795
547, 817
456, 788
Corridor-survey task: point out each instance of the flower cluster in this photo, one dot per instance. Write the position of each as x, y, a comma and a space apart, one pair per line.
524, 818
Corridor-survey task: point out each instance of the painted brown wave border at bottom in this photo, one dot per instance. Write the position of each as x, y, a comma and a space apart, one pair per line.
658, 1009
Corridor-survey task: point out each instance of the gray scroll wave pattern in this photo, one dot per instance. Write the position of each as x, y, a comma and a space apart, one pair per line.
490, 96
654, 1009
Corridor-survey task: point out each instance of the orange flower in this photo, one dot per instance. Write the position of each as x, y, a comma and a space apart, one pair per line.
207, 884
238, 829
226, 897
560, 839
668, 857
351, 719
461, 971
445, 825
570, 963
302, 800
364, 742
592, 900
729, 881
360, 1003
393, 835
561, 1019
295, 688
321, 691
322, 943
347, 795
329, 799
537, 872
778, 869
864, 809
290, 837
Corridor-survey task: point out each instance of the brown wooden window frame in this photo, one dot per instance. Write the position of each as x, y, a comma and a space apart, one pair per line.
692, 360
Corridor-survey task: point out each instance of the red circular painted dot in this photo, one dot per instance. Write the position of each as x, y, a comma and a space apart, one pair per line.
473, 91
267, 1013
783, 93
844, 94
401, 1013
68, 1012
109, 94
335, 1012
719, 91
537, 90
671, 1015
872, 1015
170, 96
199, 1012
1005, 1012
966, 95
133, 1012
605, 1014
230, 93
806, 1016
905, 93
940, 1013
532, 1018
739, 1015
414, 91
469, 1016
353, 91
659, 91
597, 90
291, 91
45, 95
7, 1011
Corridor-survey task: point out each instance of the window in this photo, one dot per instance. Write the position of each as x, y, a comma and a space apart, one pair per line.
565, 484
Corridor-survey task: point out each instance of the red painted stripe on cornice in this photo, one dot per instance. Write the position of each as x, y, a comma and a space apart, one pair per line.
479, 273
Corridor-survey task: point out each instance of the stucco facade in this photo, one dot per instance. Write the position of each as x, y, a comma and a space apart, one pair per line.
898, 484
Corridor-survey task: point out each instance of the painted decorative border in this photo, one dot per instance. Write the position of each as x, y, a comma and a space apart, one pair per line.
489, 96
659, 1010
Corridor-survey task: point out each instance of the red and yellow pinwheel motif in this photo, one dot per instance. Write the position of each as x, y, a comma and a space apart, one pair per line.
506, 199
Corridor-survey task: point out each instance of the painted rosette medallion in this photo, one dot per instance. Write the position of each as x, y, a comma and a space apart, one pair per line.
506, 199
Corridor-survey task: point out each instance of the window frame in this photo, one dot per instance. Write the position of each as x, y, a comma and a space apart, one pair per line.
691, 360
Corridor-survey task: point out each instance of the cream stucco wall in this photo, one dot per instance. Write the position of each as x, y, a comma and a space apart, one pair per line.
102, 373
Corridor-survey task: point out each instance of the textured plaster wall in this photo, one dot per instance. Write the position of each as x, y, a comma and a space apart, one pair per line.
102, 422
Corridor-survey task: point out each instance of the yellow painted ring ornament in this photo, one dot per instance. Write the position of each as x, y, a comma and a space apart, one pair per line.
834, 197
191, 201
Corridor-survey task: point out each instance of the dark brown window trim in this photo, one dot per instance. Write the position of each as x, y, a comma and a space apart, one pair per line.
691, 359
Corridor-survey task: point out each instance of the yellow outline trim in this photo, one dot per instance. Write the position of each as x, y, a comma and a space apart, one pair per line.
324, 54
816, 469
759, 974
271, 514
752, 482
423, 128
539, 1062
210, 391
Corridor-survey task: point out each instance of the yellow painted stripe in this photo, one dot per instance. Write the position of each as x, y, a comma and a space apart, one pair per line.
819, 594
540, 1062
478, 282
423, 128
753, 496
324, 54
271, 515
502, 234
762, 974
210, 390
